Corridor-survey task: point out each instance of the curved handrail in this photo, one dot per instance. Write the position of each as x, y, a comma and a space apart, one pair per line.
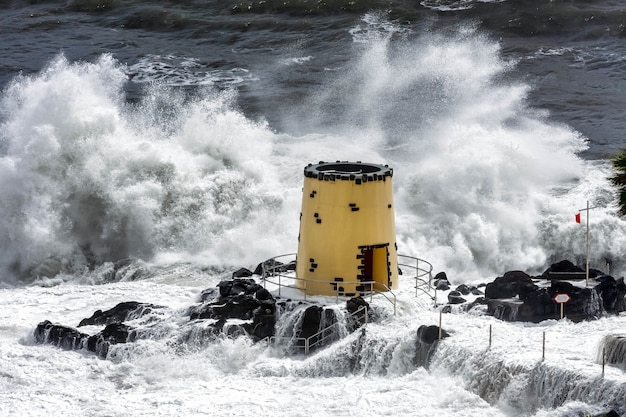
421, 284
271, 269
278, 271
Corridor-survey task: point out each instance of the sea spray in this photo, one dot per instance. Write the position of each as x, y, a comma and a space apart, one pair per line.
483, 183
480, 175
87, 180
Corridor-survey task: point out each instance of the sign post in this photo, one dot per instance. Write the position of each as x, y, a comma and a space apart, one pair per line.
562, 299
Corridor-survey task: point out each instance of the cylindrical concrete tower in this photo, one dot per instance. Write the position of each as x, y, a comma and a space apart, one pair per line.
347, 232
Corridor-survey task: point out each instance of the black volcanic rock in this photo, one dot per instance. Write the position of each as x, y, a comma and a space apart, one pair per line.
61, 336
430, 334
241, 299
511, 284
464, 289
353, 305
237, 286
263, 295
239, 307
274, 265
535, 304
242, 273
311, 321
476, 291
112, 334
440, 282
317, 327
121, 312
71, 339
441, 275
563, 266
311, 327
209, 294
426, 343
263, 325
477, 302
612, 292
539, 305
261, 313
454, 297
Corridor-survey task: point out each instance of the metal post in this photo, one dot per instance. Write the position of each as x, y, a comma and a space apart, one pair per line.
543, 349
490, 333
417, 273
561, 310
365, 319
587, 268
263, 276
440, 318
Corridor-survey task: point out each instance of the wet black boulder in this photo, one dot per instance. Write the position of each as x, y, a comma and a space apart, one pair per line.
454, 297
112, 334
511, 284
426, 343
128, 310
64, 337
69, 338
241, 299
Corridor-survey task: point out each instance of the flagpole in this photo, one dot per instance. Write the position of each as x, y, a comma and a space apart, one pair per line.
587, 268
586, 241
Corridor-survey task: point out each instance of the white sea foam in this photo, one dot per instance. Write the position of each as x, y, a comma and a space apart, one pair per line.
182, 71
453, 5
375, 25
297, 60
372, 373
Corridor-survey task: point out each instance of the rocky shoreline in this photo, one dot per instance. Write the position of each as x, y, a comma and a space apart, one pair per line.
517, 296
242, 307
236, 307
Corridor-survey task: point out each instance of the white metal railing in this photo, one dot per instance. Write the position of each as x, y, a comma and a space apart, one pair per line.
422, 274
278, 273
321, 336
275, 272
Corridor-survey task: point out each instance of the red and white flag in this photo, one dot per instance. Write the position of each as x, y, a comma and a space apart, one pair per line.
577, 217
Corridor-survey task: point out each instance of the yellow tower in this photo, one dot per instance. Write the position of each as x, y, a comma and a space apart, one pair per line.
347, 242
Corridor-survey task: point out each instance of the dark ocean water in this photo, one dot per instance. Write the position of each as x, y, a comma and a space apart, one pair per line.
572, 53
